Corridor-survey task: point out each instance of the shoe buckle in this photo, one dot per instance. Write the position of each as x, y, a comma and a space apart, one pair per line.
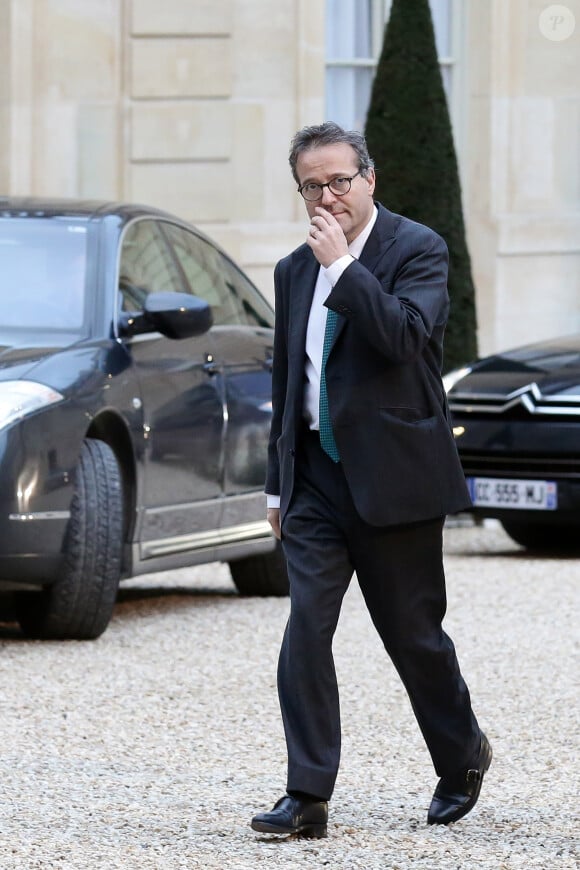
473, 775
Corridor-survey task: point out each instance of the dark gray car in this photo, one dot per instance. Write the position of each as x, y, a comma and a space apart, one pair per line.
516, 419
135, 405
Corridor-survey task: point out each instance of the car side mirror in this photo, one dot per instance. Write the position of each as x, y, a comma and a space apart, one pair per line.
175, 315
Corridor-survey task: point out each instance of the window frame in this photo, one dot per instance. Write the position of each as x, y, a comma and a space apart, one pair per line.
244, 305
453, 61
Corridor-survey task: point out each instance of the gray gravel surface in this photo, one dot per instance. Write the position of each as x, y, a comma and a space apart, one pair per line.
153, 747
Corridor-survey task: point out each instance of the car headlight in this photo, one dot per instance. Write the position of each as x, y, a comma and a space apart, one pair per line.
451, 378
20, 398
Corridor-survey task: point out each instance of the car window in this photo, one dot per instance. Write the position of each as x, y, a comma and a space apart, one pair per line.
211, 276
256, 310
43, 274
146, 265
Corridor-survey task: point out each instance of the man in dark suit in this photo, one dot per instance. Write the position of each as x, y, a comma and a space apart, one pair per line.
362, 471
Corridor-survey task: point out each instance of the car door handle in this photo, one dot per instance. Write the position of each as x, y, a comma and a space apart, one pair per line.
210, 366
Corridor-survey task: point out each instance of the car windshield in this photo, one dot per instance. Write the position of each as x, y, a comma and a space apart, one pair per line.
43, 273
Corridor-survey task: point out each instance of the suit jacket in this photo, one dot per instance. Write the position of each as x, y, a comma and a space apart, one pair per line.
387, 402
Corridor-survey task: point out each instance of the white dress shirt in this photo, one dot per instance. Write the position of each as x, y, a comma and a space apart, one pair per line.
326, 280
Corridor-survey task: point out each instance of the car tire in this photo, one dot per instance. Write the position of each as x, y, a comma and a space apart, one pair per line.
79, 604
262, 575
543, 536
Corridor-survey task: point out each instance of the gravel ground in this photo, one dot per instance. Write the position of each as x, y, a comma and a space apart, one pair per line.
153, 747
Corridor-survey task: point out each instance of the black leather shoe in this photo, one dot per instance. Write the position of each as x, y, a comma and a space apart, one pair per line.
291, 815
455, 796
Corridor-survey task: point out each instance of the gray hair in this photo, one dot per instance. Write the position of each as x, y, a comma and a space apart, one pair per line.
329, 133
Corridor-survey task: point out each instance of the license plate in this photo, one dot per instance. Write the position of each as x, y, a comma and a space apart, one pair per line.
539, 495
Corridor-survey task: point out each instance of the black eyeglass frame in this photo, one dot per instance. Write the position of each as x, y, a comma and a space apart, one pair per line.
329, 184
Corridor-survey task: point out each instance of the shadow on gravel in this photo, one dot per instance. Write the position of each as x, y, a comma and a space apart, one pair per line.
136, 602
146, 593
161, 599
522, 555
10, 631
9, 628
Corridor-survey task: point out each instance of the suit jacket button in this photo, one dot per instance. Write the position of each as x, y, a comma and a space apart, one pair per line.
292, 452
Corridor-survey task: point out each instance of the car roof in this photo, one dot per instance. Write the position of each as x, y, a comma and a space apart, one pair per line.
31, 206
121, 213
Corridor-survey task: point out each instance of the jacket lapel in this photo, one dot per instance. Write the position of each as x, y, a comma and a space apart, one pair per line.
380, 239
304, 278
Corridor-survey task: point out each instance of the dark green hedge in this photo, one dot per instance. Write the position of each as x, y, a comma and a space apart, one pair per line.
409, 135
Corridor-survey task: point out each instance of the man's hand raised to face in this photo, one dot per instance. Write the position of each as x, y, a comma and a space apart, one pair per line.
326, 237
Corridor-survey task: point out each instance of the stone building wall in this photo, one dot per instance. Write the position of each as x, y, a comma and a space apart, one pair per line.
190, 105
522, 162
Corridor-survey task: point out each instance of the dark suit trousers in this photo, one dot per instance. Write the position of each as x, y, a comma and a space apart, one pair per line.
400, 572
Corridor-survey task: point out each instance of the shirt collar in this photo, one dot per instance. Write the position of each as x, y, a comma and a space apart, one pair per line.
355, 248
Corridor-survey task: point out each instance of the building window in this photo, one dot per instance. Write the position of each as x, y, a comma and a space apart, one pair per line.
354, 38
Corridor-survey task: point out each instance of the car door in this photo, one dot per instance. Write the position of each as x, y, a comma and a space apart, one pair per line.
183, 411
243, 341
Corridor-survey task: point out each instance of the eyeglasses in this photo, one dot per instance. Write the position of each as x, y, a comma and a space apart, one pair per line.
312, 192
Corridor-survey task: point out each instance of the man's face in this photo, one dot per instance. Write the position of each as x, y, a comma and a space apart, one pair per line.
320, 165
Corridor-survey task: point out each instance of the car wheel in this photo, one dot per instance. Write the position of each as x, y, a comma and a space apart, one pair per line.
79, 605
261, 575
542, 536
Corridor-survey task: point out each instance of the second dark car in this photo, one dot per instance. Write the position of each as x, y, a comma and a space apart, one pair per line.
135, 405
516, 418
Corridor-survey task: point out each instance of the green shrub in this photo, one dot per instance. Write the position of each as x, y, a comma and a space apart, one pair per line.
409, 135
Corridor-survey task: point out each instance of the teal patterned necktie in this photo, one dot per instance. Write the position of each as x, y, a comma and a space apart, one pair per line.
326, 437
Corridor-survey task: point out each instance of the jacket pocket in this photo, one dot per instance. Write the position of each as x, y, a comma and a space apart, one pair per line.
409, 416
